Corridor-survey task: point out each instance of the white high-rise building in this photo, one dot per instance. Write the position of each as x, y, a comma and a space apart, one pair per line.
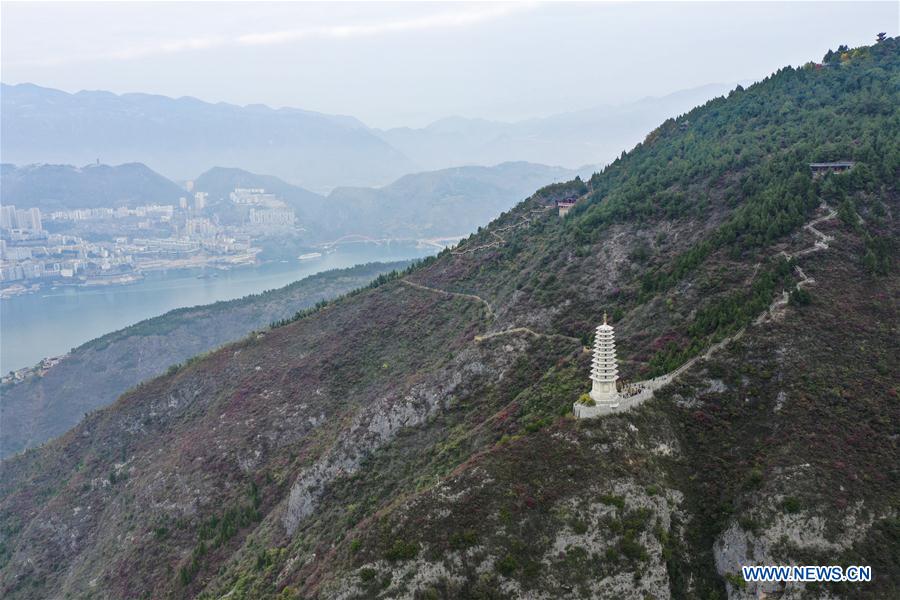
29, 218
255, 197
283, 217
199, 228
36, 219
23, 217
200, 201
8, 218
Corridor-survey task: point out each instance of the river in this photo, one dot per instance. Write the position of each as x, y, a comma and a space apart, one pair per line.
53, 321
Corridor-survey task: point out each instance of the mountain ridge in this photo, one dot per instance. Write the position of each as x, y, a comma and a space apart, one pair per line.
593, 135
61, 187
181, 137
381, 446
164, 133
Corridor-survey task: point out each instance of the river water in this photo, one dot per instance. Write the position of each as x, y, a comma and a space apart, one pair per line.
53, 321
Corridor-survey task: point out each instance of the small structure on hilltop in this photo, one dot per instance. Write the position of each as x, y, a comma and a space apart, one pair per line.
565, 206
822, 168
604, 396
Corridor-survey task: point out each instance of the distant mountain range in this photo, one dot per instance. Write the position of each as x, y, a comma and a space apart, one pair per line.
184, 136
596, 135
447, 202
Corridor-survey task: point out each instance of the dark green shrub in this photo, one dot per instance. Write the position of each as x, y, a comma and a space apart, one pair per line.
402, 550
507, 565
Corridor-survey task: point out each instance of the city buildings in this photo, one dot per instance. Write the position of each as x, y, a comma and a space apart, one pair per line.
276, 217
28, 219
8, 218
254, 197
91, 246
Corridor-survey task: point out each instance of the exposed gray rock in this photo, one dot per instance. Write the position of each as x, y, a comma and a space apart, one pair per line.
377, 424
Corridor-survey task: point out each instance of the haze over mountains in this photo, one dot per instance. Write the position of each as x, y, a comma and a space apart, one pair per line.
444, 203
459, 199
185, 136
182, 137
592, 136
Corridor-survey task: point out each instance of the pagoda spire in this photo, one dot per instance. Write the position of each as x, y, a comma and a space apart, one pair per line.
604, 368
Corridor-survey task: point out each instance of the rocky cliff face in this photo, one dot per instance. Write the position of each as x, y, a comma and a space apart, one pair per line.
414, 440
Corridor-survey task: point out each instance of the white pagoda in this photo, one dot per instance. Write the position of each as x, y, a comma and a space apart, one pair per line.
604, 373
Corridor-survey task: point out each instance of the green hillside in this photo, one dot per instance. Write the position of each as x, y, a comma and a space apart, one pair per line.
415, 439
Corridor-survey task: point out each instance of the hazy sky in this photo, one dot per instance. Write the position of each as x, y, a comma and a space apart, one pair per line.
409, 63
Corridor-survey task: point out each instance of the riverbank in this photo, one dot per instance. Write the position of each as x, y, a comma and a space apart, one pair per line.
142, 268
52, 321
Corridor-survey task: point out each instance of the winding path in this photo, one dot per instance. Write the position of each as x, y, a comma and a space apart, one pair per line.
419, 286
640, 391
490, 311
821, 243
494, 232
643, 390
525, 330
822, 239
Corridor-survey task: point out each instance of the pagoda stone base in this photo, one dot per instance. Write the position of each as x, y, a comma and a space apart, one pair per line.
621, 404
583, 411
